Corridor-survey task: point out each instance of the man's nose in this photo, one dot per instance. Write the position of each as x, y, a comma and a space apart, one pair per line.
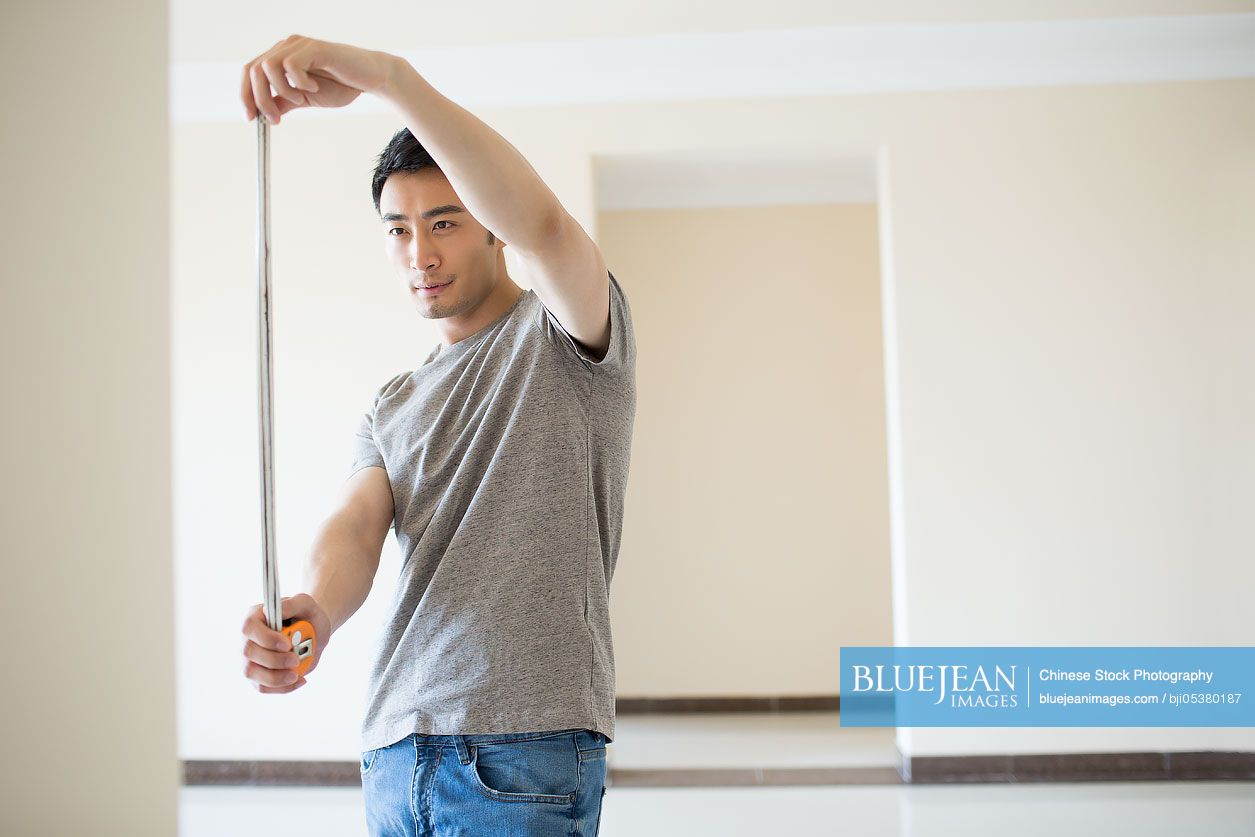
422, 258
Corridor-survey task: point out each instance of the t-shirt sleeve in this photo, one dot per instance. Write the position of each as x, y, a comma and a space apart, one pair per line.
621, 354
366, 450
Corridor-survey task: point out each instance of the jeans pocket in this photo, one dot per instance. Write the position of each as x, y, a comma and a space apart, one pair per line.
538, 770
591, 743
368, 760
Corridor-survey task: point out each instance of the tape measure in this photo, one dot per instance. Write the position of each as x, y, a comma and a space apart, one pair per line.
298, 631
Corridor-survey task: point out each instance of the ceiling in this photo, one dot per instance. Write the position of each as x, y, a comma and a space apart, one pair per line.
508, 54
238, 30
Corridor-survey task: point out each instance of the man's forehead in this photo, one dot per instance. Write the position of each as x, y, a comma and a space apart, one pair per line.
430, 197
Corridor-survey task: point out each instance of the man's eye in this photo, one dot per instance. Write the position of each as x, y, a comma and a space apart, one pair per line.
402, 229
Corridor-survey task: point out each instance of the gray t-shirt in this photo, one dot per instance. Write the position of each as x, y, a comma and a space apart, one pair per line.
508, 457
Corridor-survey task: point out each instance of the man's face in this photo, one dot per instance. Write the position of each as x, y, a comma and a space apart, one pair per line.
447, 246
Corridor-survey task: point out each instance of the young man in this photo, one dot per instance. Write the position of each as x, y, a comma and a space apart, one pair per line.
501, 462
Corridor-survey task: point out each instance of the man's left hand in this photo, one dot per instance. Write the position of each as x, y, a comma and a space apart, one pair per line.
309, 73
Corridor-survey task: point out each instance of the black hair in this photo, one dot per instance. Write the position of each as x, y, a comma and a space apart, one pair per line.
402, 153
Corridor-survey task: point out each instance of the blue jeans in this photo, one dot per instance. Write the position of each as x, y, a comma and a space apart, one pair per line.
521, 784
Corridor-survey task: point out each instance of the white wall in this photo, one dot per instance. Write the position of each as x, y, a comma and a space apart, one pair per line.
87, 707
1070, 310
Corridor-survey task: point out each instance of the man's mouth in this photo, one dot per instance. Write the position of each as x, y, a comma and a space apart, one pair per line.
433, 288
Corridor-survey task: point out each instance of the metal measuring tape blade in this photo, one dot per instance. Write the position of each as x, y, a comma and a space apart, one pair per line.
298, 631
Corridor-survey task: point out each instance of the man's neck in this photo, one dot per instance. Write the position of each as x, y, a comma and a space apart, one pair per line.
504, 295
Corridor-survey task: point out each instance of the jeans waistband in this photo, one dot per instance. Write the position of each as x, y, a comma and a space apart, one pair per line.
463, 743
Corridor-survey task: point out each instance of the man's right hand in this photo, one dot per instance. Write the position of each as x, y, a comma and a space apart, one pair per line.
268, 656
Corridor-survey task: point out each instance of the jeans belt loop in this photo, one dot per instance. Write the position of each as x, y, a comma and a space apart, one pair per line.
464, 752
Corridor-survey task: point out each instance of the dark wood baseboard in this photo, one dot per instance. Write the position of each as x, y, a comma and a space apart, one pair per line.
766, 703
1206, 766
346, 774
265, 773
723, 777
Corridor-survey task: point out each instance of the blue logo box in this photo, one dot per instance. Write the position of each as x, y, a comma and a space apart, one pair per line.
995, 686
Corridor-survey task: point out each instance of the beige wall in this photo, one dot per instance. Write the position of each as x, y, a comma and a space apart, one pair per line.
87, 705
758, 533
1067, 316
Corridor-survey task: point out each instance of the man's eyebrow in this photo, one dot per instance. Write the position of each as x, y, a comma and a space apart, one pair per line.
443, 209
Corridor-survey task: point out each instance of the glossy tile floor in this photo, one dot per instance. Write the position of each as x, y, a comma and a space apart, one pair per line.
1109, 809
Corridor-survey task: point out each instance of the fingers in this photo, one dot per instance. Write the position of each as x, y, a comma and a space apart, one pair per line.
269, 661
269, 658
269, 677
261, 74
283, 106
256, 629
246, 94
295, 66
281, 690
261, 93
272, 69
